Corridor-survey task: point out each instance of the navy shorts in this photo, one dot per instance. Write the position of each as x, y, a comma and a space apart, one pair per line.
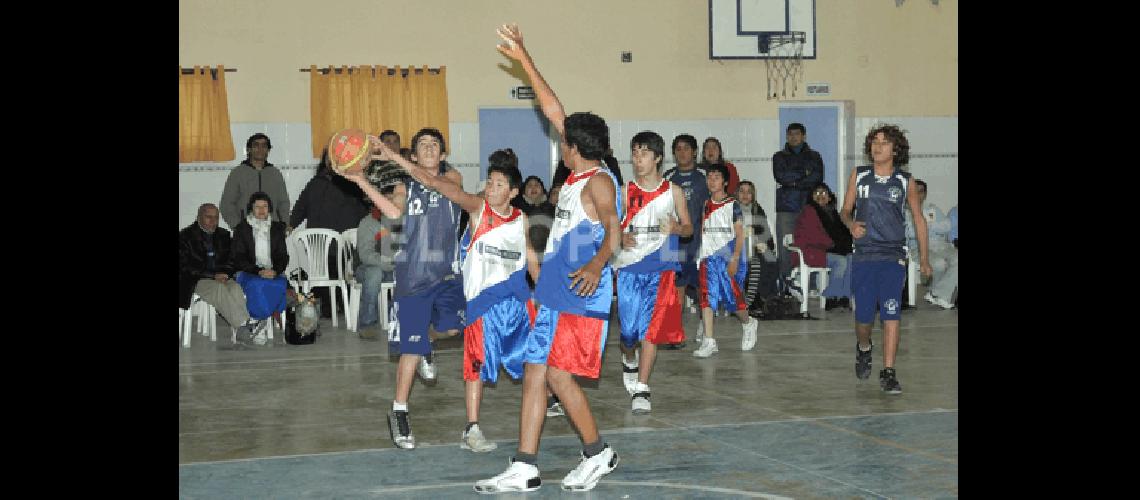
442, 305
877, 285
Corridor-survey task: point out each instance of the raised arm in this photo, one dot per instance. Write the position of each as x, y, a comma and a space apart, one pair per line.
449, 184
514, 49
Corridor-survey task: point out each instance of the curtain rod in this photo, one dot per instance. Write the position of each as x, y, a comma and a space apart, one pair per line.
391, 71
190, 71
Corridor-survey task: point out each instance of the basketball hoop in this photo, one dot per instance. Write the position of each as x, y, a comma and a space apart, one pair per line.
784, 62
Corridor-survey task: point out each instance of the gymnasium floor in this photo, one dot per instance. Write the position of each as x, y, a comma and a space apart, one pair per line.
785, 420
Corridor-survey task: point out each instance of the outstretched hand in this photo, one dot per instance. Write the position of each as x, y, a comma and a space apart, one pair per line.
513, 48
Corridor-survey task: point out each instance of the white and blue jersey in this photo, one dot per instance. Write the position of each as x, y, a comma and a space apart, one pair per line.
494, 266
654, 252
574, 240
880, 202
718, 244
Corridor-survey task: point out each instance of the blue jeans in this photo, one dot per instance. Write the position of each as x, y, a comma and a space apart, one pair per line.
839, 278
370, 277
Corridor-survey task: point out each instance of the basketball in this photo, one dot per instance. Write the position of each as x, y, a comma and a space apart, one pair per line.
350, 150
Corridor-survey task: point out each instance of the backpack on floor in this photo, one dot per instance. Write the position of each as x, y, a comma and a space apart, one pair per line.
775, 307
302, 321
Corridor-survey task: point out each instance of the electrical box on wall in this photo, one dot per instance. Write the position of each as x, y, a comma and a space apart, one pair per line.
525, 92
626, 56
818, 89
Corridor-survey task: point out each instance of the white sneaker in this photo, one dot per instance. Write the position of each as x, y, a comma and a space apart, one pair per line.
426, 369
707, 348
929, 297
518, 477
748, 340
555, 410
943, 303
473, 440
640, 400
586, 475
629, 372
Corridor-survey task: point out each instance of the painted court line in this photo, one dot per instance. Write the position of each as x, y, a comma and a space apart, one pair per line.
622, 430
708, 489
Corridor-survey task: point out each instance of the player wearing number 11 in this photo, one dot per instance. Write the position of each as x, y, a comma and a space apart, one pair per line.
878, 194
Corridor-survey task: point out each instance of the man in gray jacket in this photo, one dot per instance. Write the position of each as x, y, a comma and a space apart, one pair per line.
254, 174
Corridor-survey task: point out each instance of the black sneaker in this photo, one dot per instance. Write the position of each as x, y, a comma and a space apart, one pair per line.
863, 362
889, 382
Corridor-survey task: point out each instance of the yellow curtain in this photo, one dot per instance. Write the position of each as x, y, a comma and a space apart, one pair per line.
203, 117
376, 103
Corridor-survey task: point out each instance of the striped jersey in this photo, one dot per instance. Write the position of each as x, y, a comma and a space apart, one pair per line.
654, 251
494, 266
574, 240
718, 236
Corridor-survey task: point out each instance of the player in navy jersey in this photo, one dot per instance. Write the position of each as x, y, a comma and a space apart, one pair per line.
429, 284
574, 292
878, 194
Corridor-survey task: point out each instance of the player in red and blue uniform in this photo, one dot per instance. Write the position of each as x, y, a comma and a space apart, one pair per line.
649, 306
723, 266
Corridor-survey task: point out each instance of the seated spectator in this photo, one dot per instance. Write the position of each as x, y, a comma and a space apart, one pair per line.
825, 242
711, 152
377, 241
205, 267
763, 272
332, 202
260, 257
838, 291
942, 253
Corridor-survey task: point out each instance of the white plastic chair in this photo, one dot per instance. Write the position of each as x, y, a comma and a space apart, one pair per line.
354, 287
387, 294
207, 320
803, 273
316, 244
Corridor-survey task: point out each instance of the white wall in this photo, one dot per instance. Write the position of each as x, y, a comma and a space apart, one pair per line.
748, 143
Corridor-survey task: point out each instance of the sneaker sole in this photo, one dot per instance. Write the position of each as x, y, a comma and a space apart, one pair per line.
491, 490
639, 411
591, 485
493, 446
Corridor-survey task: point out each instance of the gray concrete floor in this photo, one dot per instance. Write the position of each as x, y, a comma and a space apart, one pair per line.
787, 419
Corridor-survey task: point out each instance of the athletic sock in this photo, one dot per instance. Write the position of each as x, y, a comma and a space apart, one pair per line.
470, 425
399, 406
526, 458
591, 449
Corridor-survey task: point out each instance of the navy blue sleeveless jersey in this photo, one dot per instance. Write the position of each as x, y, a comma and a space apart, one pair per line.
696, 191
880, 203
430, 251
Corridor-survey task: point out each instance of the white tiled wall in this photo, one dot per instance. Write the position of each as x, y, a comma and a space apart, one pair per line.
749, 144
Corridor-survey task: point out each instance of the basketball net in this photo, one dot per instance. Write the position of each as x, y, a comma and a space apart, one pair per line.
784, 63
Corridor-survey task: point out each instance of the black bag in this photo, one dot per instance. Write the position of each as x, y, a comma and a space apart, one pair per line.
302, 322
775, 307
